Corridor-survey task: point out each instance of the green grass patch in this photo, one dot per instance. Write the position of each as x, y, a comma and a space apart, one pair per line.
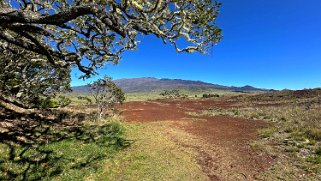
74, 155
267, 132
98, 151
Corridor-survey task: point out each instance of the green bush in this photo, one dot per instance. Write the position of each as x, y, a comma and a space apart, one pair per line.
63, 101
173, 94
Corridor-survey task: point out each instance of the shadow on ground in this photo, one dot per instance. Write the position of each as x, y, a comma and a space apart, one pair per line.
41, 146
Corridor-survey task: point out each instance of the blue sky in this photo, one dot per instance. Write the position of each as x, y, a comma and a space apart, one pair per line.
267, 43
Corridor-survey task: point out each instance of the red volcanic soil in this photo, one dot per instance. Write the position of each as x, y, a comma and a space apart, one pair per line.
225, 153
161, 110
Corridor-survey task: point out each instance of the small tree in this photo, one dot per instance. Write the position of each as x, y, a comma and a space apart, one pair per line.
175, 93
106, 93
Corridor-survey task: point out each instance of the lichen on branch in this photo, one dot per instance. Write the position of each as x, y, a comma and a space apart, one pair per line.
90, 33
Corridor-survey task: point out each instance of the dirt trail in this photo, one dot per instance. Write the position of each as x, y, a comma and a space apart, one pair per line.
222, 142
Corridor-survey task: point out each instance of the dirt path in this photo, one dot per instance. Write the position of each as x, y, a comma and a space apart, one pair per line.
222, 142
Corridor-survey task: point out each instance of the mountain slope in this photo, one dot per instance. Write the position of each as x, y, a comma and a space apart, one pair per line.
154, 84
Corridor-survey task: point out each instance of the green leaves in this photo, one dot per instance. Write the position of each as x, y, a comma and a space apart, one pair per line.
29, 78
67, 32
106, 93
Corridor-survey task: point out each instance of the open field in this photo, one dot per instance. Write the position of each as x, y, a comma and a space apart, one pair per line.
294, 135
222, 143
143, 90
145, 96
154, 95
275, 136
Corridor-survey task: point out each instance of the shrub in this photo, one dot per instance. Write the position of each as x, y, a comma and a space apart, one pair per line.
175, 93
63, 101
210, 95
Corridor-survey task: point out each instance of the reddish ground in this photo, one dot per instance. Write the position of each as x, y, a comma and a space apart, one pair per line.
161, 110
224, 151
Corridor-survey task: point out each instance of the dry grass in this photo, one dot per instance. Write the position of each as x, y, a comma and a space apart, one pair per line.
295, 134
152, 156
87, 151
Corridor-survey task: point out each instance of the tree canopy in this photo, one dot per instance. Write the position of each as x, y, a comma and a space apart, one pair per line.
89, 33
27, 80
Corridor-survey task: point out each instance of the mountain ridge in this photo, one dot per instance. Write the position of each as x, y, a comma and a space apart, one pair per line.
145, 84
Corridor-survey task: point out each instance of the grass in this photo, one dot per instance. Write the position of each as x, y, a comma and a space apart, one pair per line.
59, 152
101, 150
93, 150
267, 132
197, 93
153, 95
152, 156
75, 101
296, 130
290, 118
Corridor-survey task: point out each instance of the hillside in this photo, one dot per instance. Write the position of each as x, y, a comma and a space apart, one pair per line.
154, 84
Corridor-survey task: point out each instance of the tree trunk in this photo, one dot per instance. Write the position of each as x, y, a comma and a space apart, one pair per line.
100, 112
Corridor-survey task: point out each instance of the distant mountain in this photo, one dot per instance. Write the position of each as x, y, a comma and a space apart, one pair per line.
153, 84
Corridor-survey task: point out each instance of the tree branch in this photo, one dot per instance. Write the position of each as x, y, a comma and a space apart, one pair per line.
8, 16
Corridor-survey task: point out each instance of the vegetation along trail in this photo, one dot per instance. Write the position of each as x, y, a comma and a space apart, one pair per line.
222, 142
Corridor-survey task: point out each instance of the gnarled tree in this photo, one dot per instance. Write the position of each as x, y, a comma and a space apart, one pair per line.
27, 80
106, 93
89, 33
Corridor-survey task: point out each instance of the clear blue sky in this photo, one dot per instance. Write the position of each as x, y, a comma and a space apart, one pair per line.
267, 43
